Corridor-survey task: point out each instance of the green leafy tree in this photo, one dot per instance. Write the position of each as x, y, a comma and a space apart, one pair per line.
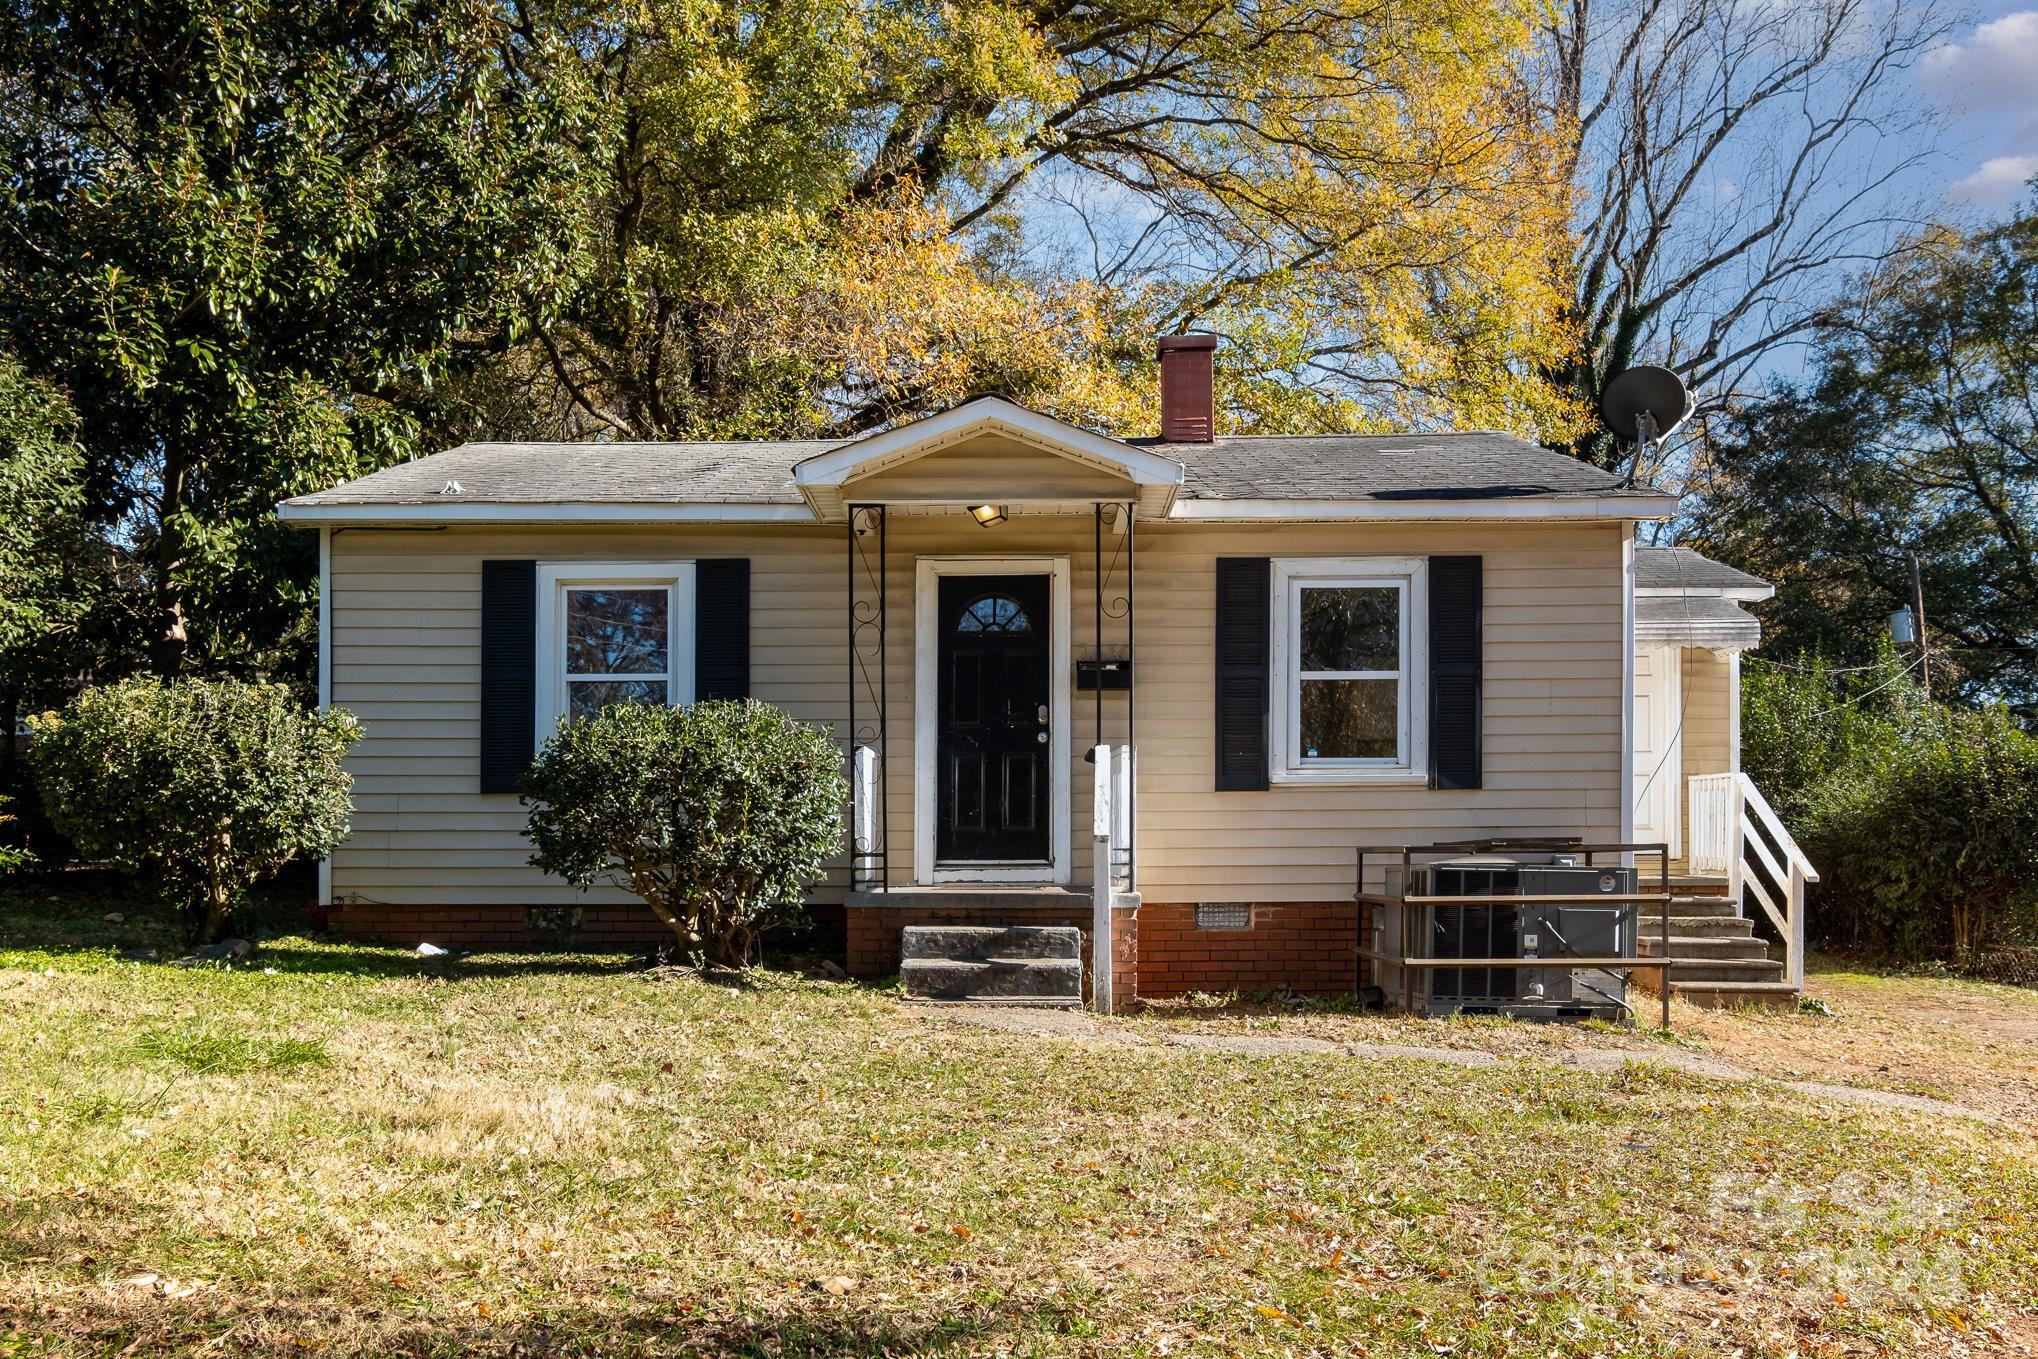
236, 233
208, 786
718, 815
1803, 723
830, 216
53, 569
42, 503
1918, 432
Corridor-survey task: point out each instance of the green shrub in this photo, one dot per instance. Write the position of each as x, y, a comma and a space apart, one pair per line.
1802, 724
1929, 844
209, 786
11, 856
718, 815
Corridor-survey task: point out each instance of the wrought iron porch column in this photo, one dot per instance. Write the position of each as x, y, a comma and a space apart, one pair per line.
866, 642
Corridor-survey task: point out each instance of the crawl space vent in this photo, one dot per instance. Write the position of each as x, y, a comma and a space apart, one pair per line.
1224, 915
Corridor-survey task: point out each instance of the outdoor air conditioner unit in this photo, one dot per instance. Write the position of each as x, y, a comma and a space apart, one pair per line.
1573, 928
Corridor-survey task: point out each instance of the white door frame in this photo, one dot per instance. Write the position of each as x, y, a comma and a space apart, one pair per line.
1662, 776
926, 713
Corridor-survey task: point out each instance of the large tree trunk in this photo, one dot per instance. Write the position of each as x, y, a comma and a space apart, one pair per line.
171, 641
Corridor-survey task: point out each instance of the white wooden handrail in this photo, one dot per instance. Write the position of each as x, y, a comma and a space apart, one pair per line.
1729, 818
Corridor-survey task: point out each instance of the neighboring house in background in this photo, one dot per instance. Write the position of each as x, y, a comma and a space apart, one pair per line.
1312, 643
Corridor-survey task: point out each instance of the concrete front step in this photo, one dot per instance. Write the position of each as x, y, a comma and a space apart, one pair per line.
1703, 946
1769, 995
991, 964
977, 943
1039, 980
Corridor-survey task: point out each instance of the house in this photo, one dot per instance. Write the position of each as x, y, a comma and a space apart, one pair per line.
1259, 651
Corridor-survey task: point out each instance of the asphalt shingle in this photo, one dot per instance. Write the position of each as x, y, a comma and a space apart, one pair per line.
1680, 568
1332, 467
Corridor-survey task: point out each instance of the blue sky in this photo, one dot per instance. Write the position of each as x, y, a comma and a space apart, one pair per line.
1985, 79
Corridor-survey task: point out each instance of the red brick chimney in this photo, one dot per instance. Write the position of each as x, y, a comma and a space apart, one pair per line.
1186, 414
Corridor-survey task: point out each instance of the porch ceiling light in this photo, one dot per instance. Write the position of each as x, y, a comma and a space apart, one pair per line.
988, 515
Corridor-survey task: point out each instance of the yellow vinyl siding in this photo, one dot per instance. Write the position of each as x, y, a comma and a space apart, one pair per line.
959, 474
406, 633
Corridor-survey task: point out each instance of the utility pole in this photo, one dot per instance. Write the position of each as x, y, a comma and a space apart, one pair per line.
1918, 613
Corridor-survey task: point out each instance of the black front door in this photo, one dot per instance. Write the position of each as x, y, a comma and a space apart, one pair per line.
992, 756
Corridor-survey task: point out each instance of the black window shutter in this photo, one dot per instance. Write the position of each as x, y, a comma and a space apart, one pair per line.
509, 682
1456, 597
722, 628
1244, 652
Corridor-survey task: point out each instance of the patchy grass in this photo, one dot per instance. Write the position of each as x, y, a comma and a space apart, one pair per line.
548, 1155
1970, 1042
205, 1048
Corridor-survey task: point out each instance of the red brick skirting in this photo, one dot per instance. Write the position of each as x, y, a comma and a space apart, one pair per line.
1156, 950
503, 927
1307, 947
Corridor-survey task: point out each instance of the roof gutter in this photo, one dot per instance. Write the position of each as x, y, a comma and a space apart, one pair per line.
1512, 508
1501, 507
486, 512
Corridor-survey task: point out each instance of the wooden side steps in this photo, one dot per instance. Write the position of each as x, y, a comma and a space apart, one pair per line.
1725, 964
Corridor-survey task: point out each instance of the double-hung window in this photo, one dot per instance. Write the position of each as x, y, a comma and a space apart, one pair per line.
1349, 688
613, 632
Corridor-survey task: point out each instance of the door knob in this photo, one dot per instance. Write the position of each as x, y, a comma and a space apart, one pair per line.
1041, 737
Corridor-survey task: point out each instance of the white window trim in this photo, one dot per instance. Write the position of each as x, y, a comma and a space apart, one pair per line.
556, 578
1409, 574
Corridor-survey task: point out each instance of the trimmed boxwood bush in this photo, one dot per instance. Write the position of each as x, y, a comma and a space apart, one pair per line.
207, 786
719, 815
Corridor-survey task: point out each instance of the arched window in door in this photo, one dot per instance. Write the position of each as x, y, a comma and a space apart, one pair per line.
993, 613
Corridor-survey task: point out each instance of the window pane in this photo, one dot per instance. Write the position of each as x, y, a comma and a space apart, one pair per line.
585, 698
615, 632
1351, 628
994, 613
1351, 719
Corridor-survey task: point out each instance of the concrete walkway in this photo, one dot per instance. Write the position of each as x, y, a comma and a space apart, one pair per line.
1082, 1026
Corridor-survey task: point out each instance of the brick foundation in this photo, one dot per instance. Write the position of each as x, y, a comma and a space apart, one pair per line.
502, 927
1307, 947
1156, 950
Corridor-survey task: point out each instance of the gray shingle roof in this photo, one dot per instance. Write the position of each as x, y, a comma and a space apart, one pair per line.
1330, 467
590, 473
1468, 466
1675, 568
1696, 620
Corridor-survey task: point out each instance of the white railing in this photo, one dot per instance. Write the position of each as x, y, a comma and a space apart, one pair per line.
1112, 862
1733, 830
864, 799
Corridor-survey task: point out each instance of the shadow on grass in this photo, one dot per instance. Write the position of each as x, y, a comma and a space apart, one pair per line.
67, 913
433, 1331
108, 1309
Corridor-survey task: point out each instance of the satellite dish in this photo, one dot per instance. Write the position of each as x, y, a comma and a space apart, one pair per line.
1656, 393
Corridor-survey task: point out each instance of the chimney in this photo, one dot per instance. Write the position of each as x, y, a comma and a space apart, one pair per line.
1185, 387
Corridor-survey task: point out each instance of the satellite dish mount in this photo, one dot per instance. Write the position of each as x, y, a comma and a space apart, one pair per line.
1644, 406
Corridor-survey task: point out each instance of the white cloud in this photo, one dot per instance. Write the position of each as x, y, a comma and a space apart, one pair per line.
1998, 183
1993, 69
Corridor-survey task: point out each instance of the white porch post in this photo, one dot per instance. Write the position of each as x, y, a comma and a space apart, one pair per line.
325, 678
1103, 826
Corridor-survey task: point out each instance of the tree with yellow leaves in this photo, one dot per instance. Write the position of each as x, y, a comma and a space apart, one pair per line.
826, 216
